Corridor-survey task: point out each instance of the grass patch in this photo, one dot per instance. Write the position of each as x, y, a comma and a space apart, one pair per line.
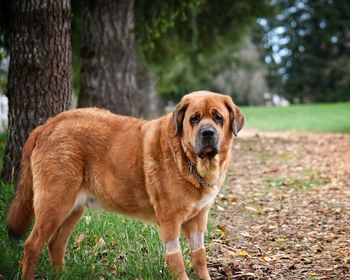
332, 117
301, 183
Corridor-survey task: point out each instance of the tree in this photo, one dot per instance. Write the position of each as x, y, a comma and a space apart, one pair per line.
308, 47
108, 57
39, 81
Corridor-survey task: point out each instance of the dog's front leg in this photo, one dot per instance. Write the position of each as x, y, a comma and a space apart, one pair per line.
170, 233
194, 231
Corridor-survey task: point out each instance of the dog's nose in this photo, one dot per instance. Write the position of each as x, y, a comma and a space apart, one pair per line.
208, 132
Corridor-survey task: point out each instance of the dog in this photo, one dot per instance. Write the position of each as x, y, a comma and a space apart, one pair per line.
167, 171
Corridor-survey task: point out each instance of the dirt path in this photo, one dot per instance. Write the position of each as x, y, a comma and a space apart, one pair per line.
285, 210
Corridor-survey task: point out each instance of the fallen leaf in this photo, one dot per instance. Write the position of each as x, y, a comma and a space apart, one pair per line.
99, 242
80, 238
280, 240
223, 229
245, 234
242, 254
327, 268
249, 208
232, 199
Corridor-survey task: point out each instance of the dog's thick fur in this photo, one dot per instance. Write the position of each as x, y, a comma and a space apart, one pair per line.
138, 168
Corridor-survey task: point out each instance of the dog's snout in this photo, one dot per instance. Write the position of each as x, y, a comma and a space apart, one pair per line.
207, 141
208, 132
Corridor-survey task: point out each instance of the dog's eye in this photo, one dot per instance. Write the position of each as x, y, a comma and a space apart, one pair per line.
219, 119
194, 119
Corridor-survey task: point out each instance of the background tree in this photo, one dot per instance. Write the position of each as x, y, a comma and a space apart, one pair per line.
108, 57
39, 81
308, 49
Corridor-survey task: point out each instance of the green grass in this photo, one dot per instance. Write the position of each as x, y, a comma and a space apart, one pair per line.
291, 182
332, 117
303, 180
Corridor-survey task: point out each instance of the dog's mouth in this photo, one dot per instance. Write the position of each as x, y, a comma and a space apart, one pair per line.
208, 151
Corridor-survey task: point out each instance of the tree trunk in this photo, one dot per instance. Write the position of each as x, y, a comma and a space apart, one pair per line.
108, 57
39, 82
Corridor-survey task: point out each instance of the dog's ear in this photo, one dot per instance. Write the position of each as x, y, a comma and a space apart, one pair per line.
236, 116
179, 114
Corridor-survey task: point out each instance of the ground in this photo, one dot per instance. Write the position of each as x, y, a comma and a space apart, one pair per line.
284, 210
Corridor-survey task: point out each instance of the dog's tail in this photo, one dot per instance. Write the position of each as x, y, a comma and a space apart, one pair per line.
21, 211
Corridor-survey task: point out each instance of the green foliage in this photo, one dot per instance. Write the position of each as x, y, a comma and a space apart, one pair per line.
332, 117
155, 18
187, 50
309, 49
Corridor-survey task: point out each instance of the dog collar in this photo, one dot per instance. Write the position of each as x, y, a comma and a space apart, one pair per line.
192, 168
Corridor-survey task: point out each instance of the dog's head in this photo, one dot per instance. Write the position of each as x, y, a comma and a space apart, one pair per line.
206, 122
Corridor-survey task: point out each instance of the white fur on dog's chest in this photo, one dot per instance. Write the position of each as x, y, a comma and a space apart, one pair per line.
206, 200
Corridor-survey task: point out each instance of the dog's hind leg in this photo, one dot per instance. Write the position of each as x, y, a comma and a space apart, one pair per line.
58, 241
50, 211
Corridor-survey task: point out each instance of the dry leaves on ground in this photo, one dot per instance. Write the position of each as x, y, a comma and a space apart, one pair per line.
285, 209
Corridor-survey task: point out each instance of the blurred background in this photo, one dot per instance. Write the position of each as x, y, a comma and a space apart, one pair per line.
141, 58
285, 209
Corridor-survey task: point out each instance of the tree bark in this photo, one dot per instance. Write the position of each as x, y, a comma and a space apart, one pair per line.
39, 81
108, 57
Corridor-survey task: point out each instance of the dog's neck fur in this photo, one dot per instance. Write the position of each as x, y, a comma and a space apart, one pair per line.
207, 168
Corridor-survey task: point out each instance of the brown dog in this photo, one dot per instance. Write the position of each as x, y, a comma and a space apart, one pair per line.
167, 171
